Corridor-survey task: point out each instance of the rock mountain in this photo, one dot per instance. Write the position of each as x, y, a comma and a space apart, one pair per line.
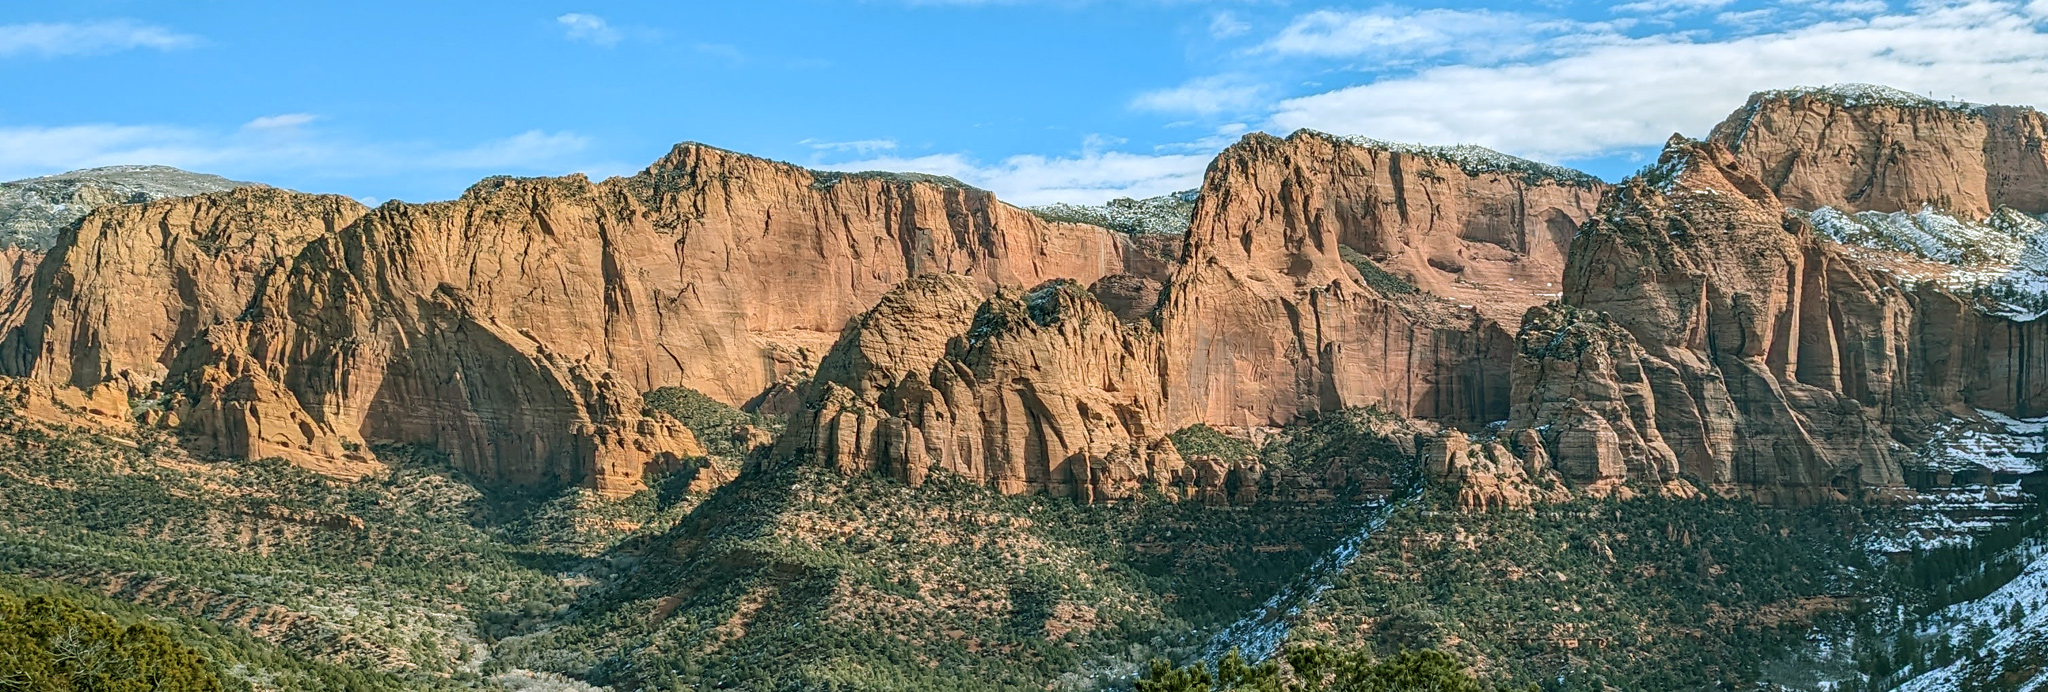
1544, 332
33, 211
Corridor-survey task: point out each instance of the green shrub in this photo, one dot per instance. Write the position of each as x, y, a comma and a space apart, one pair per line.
55, 645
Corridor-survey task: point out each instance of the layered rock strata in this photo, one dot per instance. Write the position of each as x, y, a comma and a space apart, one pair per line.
1046, 391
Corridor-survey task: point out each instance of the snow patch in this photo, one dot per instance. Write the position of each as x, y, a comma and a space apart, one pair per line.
1167, 214
2029, 592
1854, 95
2003, 259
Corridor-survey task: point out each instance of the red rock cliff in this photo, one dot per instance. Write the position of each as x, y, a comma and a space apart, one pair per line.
512, 328
1871, 148
1270, 317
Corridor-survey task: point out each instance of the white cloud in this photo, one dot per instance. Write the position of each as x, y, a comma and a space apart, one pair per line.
1205, 96
858, 146
256, 152
1671, 7
1225, 25
1392, 33
522, 150
283, 121
588, 28
1849, 7
1611, 94
1092, 177
52, 40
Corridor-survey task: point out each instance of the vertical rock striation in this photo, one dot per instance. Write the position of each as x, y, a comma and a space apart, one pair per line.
1270, 317
512, 328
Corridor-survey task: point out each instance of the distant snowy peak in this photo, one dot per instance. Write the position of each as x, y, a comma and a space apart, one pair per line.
1164, 214
2003, 258
34, 210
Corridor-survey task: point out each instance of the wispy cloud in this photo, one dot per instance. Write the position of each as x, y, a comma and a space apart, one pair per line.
1671, 7
282, 121
276, 145
59, 39
1399, 36
1226, 25
588, 28
1579, 103
1089, 177
1204, 96
858, 146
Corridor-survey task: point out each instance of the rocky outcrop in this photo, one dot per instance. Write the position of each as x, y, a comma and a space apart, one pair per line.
1270, 316
1865, 148
1708, 333
17, 285
1046, 391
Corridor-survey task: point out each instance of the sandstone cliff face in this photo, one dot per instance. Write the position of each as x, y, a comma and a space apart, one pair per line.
512, 328
129, 285
1046, 391
1713, 335
1266, 319
1863, 148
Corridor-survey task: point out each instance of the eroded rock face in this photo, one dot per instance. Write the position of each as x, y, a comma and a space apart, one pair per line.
125, 289
1046, 391
514, 327
1269, 317
1864, 148
1708, 333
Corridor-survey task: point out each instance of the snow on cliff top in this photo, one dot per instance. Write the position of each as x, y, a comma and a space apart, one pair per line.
1165, 214
2003, 259
1854, 95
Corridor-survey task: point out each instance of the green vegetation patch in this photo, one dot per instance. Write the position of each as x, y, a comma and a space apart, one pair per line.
1386, 282
801, 578
711, 420
1200, 439
54, 644
1650, 594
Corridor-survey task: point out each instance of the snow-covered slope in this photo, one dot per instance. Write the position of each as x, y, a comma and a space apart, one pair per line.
32, 211
2003, 258
2002, 638
1166, 214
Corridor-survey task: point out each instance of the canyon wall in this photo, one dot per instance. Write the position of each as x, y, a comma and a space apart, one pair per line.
1872, 148
911, 324
512, 328
1269, 316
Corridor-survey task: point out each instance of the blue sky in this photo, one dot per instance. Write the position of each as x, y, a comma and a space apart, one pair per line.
1055, 100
